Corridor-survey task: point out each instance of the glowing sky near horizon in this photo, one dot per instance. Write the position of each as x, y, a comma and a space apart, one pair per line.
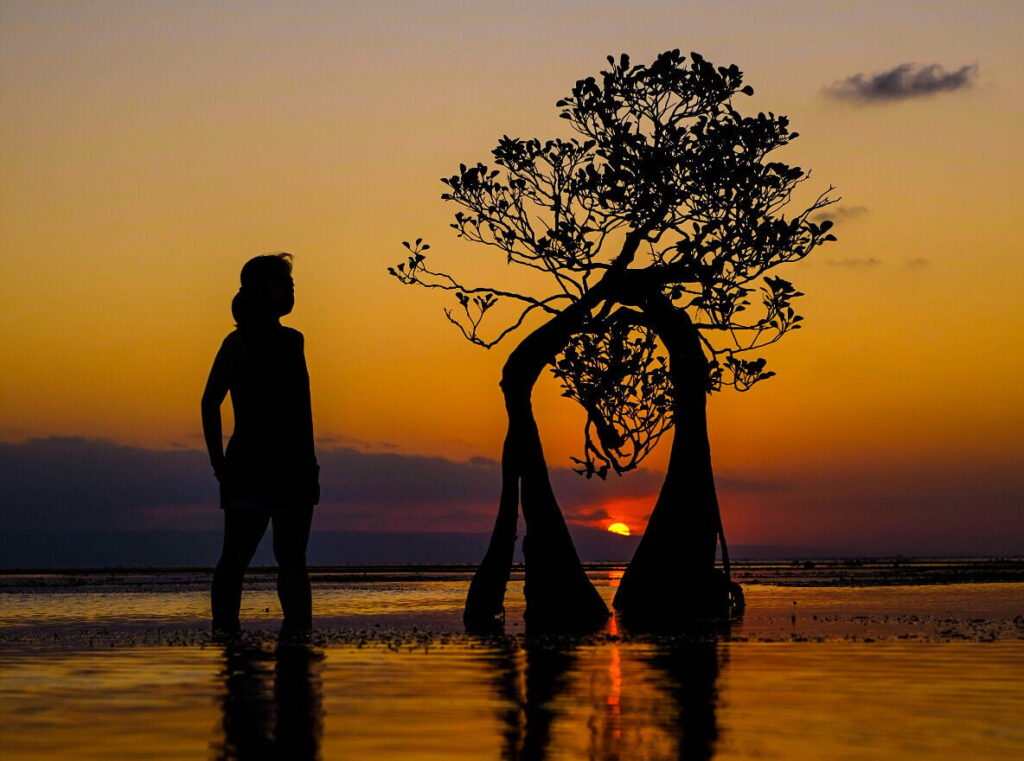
150, 148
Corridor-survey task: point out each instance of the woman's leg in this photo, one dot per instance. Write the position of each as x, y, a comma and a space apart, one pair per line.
243, 530
291, 535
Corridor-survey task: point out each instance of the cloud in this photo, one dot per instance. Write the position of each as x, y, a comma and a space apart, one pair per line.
865, 262
727, 482
902, 82
89, 484
354, 443
587, 516
878, 505
76, 483
837, 213
76, 487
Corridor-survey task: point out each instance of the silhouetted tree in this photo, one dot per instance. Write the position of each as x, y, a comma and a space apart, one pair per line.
655, 229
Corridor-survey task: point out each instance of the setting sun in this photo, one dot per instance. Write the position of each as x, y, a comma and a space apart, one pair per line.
619, 528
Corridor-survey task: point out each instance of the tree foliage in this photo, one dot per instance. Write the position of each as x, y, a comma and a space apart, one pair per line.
665, 188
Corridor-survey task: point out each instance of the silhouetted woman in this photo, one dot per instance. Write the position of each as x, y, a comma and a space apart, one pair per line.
269, 472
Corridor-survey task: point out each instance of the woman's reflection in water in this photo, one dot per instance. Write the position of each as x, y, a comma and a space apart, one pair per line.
272, 704
654, 703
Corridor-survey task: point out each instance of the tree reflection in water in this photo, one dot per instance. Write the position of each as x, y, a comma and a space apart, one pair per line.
690, 671
611, 702
272, 702
530, 678
605, 699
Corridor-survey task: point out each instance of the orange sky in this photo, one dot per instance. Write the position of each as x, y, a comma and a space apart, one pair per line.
150, 148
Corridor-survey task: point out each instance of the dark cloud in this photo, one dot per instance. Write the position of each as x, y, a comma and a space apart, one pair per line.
902, 82
886, 504
587, 516
78, 488
839, 213
728, 482
75, 483
85, 484
88, 484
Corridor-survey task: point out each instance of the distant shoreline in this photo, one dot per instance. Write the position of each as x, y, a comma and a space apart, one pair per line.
857, 572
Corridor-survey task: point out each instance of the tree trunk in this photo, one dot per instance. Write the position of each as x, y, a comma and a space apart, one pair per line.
672, 576
485, 601
559, 596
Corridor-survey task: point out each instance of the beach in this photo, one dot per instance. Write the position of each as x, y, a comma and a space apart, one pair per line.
832, 659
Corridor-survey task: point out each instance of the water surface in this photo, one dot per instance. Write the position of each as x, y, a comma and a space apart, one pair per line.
121, 666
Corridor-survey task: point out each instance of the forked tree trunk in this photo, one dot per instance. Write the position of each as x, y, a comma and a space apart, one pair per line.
559, 596
672, 576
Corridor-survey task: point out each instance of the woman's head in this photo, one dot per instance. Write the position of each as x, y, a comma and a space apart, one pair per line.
267, 291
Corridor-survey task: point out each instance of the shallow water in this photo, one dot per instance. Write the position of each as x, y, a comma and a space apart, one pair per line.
117, 666
782, 603
476, 701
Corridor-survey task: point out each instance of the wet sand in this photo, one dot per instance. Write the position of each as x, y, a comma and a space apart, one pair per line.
934, 600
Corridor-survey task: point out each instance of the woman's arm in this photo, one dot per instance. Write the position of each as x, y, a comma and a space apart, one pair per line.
217, 386
307, 420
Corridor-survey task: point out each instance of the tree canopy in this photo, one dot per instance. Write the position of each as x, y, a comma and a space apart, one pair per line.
664, 190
